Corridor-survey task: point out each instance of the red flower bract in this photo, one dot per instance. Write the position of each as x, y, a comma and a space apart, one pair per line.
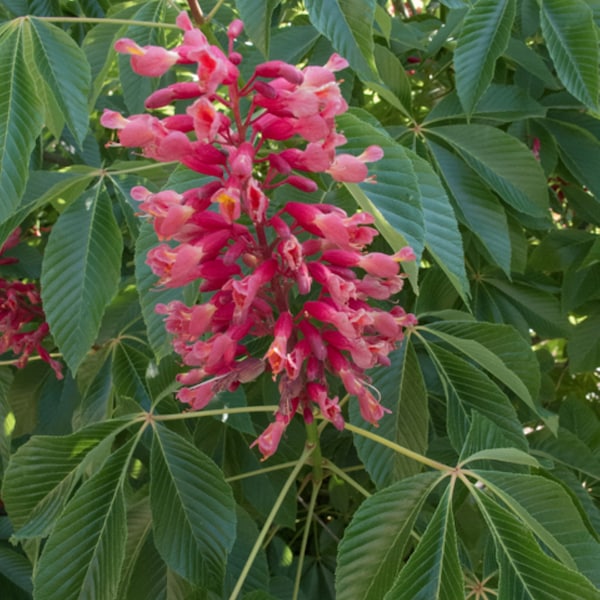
258, 267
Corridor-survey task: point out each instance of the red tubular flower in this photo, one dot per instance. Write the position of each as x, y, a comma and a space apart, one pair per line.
256, 266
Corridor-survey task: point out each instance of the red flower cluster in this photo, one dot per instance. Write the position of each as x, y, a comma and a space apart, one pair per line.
300, 277
23, 326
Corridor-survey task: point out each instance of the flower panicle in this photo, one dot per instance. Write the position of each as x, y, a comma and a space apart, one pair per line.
23, 326
303, 276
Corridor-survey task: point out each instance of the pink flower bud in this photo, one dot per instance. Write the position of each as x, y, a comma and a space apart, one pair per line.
278, 68
235, 29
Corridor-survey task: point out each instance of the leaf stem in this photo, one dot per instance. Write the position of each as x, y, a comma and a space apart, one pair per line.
308, 450
343, 475
316, 486
285, 465
214, 412
434, 464
312, 438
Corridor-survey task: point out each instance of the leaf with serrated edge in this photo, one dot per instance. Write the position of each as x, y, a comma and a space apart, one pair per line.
442, 238
481, 210
257, 21
84, 553
20, 121
433, 571
80, 273
483, 39
473, 389
543, 577
349, 27
503, 162
192, 508
62, 65
569, 31
550, 513
42, 473
372, 549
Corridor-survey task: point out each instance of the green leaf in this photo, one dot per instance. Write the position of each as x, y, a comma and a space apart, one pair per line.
508, 455
526, 57
257, 21
499, 349
479, 208
541, 309
584, 345
572, 41
483, 39
470, 388
258, 576
80, 273
433, 571
503, 162
442, 238
568, 449
373, 547
48, 186
402, 390
15, 567
193, 510
85, 551
43, 472
551, 515
60, 63
578, 147
20, 121
542, 577
129, 373
348, 25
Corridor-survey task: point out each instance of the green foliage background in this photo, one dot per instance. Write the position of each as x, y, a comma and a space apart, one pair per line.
484, 480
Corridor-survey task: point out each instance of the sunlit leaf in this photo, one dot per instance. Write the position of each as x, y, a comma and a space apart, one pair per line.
483, 39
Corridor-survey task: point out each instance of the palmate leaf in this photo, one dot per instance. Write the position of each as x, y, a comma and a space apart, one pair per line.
80, 273
503, 162
6, 418
402, 390
84, 553
373, 547
572, 40
521, 559
61, 64
348, 24
551, 515
483, 39
192, 508
433, 571
43, 472
20, 120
